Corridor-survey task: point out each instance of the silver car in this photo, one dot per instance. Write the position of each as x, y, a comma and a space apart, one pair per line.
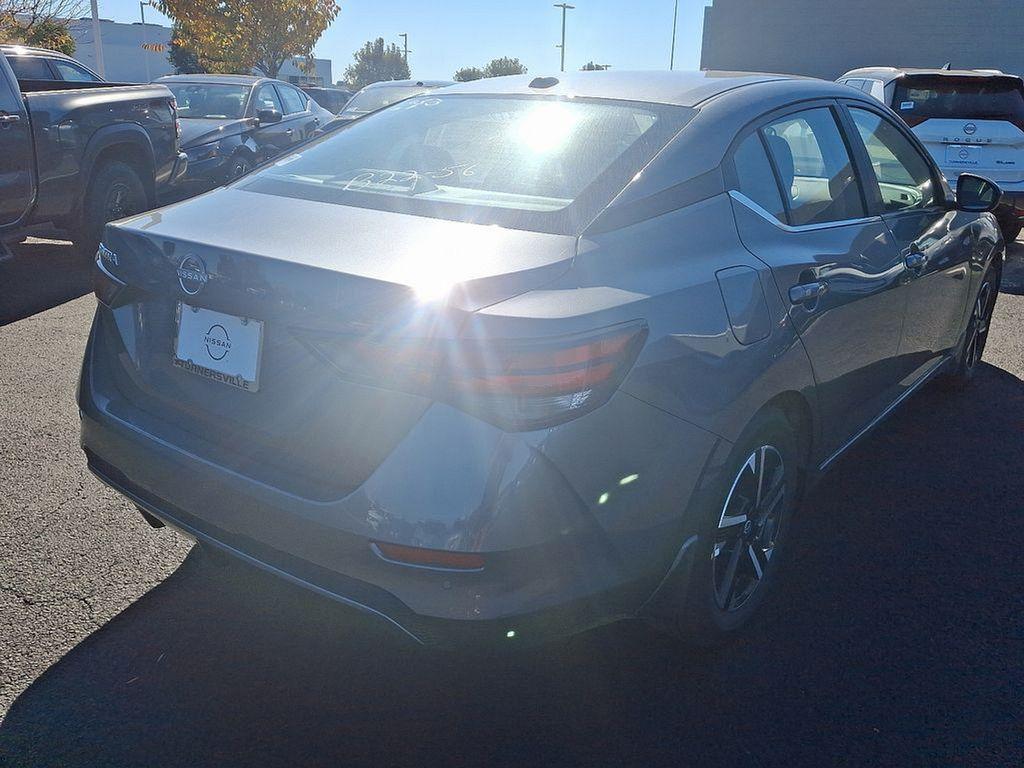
525, 356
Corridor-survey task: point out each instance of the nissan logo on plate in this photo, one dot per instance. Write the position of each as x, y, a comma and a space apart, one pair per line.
192, 274
970, 129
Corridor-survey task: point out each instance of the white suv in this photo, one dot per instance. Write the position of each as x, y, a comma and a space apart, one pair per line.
970, 120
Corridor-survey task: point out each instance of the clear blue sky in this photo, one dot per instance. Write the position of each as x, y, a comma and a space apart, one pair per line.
449, 34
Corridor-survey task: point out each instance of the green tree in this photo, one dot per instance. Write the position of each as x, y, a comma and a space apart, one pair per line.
181, 57
466, 74
43, 23
52, 34
241, 35
375, 62
592, 67
504, 66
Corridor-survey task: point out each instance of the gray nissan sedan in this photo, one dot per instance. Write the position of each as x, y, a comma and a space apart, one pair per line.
529, 355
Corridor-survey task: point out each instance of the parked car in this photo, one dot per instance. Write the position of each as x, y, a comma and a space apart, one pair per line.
331, 99
557, 351
41, 64
379, 95
232, 123
74, 158
970, 120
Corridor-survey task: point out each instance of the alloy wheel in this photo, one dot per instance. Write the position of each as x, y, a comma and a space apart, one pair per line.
980, 319
748, 528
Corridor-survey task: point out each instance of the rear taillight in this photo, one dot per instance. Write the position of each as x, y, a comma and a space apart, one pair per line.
518, 384
529, 384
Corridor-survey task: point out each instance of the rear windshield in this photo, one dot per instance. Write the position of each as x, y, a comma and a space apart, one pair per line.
373, 99
920, 97
537, 163
209, 100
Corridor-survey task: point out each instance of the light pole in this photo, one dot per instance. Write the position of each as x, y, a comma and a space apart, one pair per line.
97, 41
145, 38
565, 7
672, 56
405, 47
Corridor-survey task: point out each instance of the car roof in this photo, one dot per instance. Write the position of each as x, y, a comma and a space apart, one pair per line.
680, 88
222, 79
888, 74
12, 49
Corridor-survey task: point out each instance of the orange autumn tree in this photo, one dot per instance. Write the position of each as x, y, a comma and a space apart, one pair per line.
241, 35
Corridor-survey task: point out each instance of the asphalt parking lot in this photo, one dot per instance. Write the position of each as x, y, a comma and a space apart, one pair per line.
899, 639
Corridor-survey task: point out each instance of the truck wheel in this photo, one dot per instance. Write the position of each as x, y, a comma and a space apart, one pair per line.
114, 192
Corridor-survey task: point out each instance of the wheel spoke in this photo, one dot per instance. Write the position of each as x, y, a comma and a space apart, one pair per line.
758, 569
760, 474
729, 580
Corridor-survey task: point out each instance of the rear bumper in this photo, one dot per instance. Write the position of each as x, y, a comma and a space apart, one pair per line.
552, 569
528, 627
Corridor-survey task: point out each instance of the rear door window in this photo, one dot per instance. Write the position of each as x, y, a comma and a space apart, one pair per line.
814, 168
755, 177
71, 72
292, 101
30, 68
922, 97
904, 177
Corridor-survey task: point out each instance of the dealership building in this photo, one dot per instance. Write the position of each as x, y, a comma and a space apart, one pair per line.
826, 39
137, 53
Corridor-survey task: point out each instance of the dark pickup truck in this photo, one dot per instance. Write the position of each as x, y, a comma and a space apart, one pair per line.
75, 155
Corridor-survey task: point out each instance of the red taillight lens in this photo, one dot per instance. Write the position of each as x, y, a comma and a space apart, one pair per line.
518, 384
429, 558
535, 383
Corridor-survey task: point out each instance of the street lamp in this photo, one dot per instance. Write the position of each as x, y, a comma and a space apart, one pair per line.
672, 56
145, 37
97, 39
565, 7
405, 47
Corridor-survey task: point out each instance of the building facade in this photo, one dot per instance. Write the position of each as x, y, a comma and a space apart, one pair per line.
137, 53
822, 38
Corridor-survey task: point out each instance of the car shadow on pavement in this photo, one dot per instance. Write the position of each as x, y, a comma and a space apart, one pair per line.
896, 641
39, 275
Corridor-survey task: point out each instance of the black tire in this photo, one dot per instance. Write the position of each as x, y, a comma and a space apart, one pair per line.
973, 346
1011, 231
114, 192
713, 610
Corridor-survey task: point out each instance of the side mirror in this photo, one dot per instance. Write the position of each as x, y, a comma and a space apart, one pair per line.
976, 194
268, 116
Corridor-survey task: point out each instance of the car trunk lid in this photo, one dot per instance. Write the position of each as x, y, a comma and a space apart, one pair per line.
305, 272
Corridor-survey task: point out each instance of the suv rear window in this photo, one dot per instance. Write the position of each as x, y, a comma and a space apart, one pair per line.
920, 97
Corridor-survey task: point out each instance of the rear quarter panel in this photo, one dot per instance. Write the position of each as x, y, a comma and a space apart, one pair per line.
68, 128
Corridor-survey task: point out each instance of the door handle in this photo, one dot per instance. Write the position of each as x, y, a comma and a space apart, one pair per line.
289, 131
808, 292
8, 119
914, 260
